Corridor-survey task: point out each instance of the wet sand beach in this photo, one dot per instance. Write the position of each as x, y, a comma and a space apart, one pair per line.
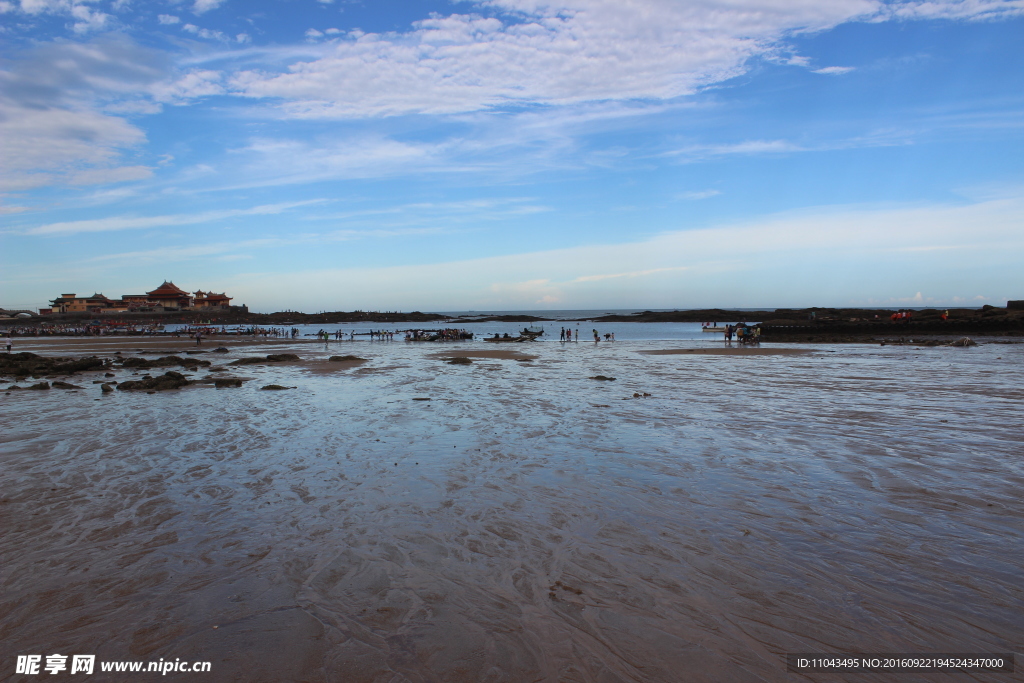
694, 519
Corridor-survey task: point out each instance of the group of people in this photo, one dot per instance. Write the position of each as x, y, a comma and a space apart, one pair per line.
447, 334
566, 335
744, 333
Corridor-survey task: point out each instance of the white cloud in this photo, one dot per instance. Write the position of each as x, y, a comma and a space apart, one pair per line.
55, 105
88, 19
572, 51
566, 51
196, 83
202, 6
205, 33
6, 7
243, 38
141, 222
99, 176
168, 19
974, 10
834, 70
313, 34
276, 162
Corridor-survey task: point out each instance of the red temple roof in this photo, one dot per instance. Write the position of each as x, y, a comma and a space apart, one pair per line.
167, 289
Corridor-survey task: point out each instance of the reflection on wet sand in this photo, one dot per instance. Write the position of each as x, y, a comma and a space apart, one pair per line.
526, 523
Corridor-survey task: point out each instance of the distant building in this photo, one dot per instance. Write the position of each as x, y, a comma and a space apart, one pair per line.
210, 300
166, 297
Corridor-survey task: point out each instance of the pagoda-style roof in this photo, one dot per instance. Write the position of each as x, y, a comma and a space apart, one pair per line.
211, 295
167, 289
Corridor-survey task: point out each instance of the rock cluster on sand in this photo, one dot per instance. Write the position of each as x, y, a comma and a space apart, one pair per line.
26, 364
344, 359
168, 380
165, 362
227, 382
274, 387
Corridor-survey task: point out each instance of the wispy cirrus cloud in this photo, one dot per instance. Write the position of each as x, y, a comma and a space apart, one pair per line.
143, 222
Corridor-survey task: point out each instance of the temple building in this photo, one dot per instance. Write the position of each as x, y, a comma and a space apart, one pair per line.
166, 297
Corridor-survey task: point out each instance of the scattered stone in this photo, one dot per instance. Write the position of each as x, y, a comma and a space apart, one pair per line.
64, 385
221, 349
603, 378
282, 356
106, 388
42, 386
274, 387
421, 399
344, 359
226, 382
192, 353
13, 387
108, 374
166, 381
460, 360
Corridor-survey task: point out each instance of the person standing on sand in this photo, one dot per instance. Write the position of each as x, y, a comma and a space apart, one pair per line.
10, 341
199, 337
597, 337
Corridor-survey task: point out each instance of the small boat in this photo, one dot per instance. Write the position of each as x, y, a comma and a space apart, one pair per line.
713, 328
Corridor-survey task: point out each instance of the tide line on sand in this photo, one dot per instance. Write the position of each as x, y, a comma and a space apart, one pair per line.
726, 351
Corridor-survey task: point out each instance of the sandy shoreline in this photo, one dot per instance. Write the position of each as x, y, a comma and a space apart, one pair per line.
688, 521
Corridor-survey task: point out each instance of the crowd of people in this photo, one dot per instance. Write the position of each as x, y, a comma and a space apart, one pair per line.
79, 330
447, 334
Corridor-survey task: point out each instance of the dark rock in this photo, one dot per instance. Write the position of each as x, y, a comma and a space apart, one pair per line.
166, 381
603, 378
64, 385
106, 388
13, 387
274, 387
227, 382
421, 399
42, 386
25, 364
248, 361
344, 359
221, 349
282, 356
165, 362
108, 374
460, 360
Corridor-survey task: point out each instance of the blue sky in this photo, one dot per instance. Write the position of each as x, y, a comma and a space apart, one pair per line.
514, 154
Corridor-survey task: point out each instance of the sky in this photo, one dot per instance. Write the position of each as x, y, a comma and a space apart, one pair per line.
514, 154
